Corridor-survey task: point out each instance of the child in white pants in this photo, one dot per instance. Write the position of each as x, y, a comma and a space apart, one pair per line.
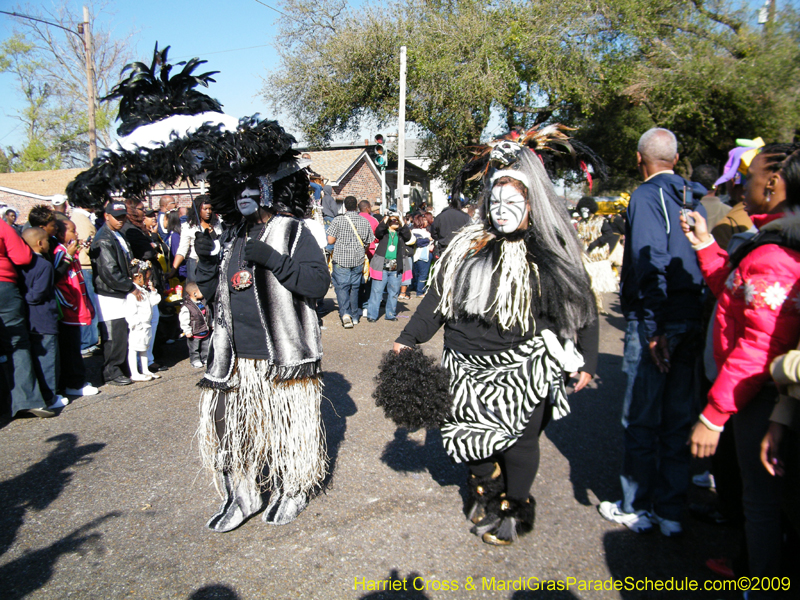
139, 314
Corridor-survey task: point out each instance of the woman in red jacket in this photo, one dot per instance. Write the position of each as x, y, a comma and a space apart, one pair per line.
758, 318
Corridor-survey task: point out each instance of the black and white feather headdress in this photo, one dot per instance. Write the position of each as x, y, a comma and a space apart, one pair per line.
172, 133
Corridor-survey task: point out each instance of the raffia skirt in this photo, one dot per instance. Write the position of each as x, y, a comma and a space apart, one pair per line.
265, 431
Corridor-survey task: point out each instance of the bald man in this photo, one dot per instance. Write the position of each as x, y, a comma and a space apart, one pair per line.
661, 297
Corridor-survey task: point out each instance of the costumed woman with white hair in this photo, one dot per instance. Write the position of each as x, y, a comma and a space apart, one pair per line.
260, 425
514, 297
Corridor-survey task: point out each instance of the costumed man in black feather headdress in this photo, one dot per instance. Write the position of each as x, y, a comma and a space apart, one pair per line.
260, 425
513, 296
260, 406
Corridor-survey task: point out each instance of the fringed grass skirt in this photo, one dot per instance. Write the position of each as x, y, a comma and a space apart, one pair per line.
273, 432
604, 280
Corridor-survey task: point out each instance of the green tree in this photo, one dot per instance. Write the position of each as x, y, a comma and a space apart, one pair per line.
40, 151
49, 67
704, 71
613, 68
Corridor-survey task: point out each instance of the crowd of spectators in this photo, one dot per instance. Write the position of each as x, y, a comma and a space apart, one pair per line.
82, 284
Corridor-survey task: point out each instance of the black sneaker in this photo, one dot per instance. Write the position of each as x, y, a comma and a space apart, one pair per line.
121, 380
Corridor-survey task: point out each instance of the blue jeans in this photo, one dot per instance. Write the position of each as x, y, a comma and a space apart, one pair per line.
44, 351
327, 222
658, 413
89, 332
15, 346
391, 283
421, 270
346, 281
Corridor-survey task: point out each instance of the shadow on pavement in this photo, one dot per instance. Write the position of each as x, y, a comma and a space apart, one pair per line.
590, 437
30, 572
395, 588
410, 456
337, 405
638, 560
616, 319
214, 592
42, 483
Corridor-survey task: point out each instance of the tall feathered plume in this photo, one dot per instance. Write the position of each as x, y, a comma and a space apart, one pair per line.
149, 94
168, 127
552, 145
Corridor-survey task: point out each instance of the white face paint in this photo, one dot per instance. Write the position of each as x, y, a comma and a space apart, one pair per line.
507, 208
248, 201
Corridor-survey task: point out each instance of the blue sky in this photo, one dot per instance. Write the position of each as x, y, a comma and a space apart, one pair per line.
234, 36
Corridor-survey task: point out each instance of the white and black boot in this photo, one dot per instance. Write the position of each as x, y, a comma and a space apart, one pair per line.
240, 503
283, 509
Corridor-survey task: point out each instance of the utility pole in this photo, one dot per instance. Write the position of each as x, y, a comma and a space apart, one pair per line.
87, 41
401, 134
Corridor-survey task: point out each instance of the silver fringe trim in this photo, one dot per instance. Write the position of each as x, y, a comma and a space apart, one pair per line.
274, 434
509, 303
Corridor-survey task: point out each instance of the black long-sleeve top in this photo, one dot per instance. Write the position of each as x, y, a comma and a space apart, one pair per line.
304, 274
474, 336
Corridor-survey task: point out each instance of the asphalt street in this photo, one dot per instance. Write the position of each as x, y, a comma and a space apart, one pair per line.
108, 501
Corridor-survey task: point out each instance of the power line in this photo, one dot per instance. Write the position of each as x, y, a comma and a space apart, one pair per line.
10, 132
280, 12
248, 47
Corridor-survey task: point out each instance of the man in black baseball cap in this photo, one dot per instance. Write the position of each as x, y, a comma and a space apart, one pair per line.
111, 259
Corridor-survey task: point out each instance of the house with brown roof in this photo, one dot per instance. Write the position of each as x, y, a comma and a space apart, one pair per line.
351, 171
23, 191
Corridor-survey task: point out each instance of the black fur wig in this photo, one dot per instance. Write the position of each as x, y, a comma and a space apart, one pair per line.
413, 389
258, 155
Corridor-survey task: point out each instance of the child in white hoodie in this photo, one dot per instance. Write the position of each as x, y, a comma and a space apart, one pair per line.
139, 314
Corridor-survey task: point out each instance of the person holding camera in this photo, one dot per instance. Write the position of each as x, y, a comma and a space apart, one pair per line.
387, 265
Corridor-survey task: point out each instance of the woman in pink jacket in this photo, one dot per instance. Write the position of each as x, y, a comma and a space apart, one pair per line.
758, 318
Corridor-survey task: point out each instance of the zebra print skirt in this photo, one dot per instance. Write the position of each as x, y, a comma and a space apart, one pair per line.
494, 396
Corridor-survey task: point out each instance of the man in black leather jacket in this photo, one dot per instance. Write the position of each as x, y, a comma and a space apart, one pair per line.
111, 257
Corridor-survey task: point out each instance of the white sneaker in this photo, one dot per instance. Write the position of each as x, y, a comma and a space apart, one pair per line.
640, 521
140, 377
668, 528
59, 402
152, 375
704, 480
347, 322
198, 365
87, 390
364, 313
